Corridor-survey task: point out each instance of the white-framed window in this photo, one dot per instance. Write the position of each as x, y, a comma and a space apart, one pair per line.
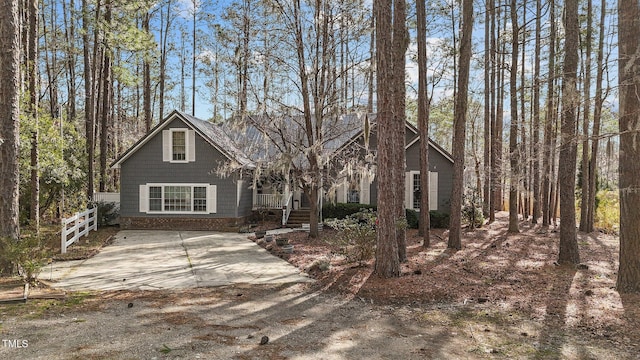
413, 192
353, 196
177, 198
178, 145
155, 198
416, 191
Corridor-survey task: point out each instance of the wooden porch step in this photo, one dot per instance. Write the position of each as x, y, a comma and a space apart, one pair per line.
298, 217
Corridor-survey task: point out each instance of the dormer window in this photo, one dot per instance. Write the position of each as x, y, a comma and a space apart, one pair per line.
178, 145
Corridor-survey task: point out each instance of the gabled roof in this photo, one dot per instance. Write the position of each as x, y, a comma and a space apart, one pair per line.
408, 125
211, 133
359, 131
262, 137
436, 146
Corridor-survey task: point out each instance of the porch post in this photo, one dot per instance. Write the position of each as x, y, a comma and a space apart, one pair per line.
255, 191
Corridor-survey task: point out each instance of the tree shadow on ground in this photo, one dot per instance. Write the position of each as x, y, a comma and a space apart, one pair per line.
552, 336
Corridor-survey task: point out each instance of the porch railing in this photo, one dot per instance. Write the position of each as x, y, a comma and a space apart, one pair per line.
271, 201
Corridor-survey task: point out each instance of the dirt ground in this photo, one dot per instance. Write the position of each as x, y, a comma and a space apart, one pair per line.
502, 296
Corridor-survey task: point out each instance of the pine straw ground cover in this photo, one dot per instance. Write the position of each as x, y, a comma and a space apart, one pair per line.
501, 297
515, 274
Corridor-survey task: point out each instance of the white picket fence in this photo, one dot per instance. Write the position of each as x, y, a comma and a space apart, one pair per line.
79, 225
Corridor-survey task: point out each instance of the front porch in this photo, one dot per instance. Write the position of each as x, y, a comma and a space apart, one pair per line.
295, 210
265, 202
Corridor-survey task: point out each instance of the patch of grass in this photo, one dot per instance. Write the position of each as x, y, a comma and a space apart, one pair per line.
436, 318
37, 309
165, 349
83, 248
77, 298
86, 246
515, 348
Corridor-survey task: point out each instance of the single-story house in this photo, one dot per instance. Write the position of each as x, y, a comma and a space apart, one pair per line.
188, 173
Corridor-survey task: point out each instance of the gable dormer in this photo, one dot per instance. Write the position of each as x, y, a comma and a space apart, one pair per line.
178, 133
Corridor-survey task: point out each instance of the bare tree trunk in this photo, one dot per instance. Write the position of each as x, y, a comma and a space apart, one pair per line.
313, 129
585, 209
499, 124
51, 63
105, 113
146, 87
629, 171
70, 33
535, 141
547, 164
164, 34
244, 67
493, 168
423, 122
459, 127
372, 66
387, 262
454, 38
32, 69
568, 144
193, 58
555, 185
513, 127
597, 114
89, 100
486, 191
523, 157
400, 43
9, 122
183, 86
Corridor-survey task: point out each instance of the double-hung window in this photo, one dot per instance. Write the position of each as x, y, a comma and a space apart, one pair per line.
155, 198
413, 192
178, 145
177, 198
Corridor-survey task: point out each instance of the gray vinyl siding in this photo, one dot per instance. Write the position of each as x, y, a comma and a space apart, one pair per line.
245, 205
437, 163
146, 166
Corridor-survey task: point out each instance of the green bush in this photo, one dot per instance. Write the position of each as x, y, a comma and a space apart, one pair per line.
413, 218
27, 254
473, 216
108, 212
342, 210
472, 209
607, 216
356, 236
438, 220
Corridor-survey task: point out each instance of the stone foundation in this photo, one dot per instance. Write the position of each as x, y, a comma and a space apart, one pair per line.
174, 223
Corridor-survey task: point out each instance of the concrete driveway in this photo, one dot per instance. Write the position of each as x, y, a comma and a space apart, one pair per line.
149, 260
